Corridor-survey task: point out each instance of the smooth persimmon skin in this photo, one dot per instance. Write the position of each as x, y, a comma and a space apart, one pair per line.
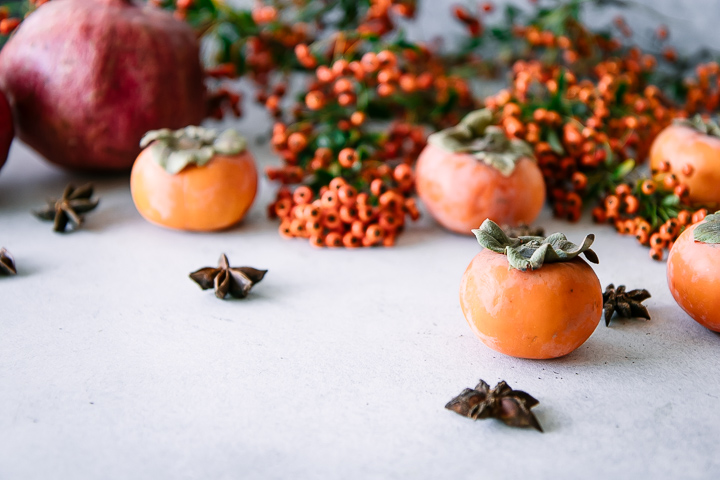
693, 272
461, 191
680, 146
540, 314
212, 197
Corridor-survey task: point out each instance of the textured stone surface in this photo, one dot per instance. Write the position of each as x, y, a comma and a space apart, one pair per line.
114, 364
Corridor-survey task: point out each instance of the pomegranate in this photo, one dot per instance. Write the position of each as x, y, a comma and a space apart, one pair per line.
87, 78
7, 132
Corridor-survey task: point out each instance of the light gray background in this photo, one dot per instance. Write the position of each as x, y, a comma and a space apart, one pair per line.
114, 365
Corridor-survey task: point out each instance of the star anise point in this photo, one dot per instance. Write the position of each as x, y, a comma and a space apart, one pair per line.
627, 304
69, 208
7, 263
512, 407
227, 280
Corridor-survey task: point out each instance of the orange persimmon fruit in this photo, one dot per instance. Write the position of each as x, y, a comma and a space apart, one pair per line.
211, 193
460, 190
692, 155
693, 273
540, 313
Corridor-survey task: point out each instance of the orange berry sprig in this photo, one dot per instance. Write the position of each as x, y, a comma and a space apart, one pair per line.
584, 131
654, 212
337, 195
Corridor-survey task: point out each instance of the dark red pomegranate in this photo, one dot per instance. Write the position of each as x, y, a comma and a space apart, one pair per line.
7, 132
87, 78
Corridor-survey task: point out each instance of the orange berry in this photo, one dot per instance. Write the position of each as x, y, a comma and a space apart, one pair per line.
632, 204
374, 232
377, 187
402, 173
579, 181
388, 221
386, 58
324, 74
656, 253
408, 83
656, 241
315, 100
297, 228
317, 240
642, 237
337, 183
332, 219
612, 202
385, 89
358, 228
623, 189
314, 227
648, 187
684, 217
670, 181
348, 214
389, 240
599, 215
297, 142
681, 191
348, 157
284, 229
333, 239
345, 100
366, 213
357, 118
351, 241
343, 85
347, 195
688, 170
329, 199
699, 215
303, 195
370, 62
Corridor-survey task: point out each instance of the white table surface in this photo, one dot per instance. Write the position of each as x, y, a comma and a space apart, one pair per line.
114, 365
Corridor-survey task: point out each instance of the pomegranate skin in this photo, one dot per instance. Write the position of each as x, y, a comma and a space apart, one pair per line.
7, 131
87, 78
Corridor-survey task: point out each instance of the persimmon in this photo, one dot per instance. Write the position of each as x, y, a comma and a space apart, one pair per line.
693, 271
689, 152
531, 297
472, 171
193, 179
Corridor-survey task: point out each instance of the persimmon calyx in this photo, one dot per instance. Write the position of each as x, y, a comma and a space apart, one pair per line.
709, 230
174, 150
477, 135
531, 253
708, 127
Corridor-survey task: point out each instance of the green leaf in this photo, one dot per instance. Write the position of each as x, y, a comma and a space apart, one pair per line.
708, 231
624, 169
670, 200
530, 253
554, 141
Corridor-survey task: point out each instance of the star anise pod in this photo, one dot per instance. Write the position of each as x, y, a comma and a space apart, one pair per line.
502, 402
69, 208
523, 230
7, 263
626, 304
237, 281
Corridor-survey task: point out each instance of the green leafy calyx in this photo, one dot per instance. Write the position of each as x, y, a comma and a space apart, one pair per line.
531, 253
709, 230
477, 135
176, 149
708, 127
